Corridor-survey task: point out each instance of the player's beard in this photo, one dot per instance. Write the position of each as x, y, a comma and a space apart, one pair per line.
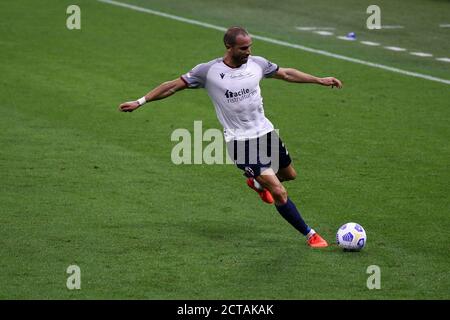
240, 59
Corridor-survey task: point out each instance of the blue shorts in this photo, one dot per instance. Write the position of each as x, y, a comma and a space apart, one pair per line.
256, 155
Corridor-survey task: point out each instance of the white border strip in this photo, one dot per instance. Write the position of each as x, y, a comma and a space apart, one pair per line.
313, 28
370, 43
279, 42
395, 49
421, 54
324, 33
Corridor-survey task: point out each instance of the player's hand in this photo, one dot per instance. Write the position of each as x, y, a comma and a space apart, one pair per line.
330, 81
129, 106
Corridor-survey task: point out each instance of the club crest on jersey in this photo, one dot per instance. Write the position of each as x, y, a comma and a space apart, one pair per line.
222, 75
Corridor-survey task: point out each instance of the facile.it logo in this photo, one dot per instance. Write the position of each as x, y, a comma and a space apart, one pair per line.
234, 94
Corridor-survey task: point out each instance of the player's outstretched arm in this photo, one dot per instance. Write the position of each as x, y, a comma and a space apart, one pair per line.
294, 75
162, 91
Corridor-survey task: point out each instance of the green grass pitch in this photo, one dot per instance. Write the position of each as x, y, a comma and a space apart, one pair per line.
82, 184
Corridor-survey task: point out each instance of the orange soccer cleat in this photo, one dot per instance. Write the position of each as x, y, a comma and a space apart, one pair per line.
265, 194
316, 241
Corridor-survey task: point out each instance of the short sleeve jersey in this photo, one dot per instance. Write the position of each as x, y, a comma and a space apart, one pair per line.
236, 94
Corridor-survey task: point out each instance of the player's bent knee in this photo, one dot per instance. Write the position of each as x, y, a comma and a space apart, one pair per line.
292, 176
287, 174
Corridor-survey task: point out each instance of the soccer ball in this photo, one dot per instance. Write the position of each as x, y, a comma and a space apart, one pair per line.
351, 236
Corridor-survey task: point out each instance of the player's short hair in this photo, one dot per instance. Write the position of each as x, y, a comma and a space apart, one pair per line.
229, 39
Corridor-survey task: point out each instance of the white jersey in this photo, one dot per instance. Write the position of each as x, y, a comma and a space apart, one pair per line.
236, 94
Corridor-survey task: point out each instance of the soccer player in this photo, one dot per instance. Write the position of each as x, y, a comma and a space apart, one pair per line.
232, 83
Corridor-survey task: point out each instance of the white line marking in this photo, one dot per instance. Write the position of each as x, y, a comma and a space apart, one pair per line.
445, 25
324, 33
346, 38
281, 43
369, 43
421, 54
313, 28
392, 27
395, 49
443, 59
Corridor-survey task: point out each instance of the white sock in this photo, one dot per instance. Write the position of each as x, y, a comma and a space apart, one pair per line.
258, 185
310, 234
